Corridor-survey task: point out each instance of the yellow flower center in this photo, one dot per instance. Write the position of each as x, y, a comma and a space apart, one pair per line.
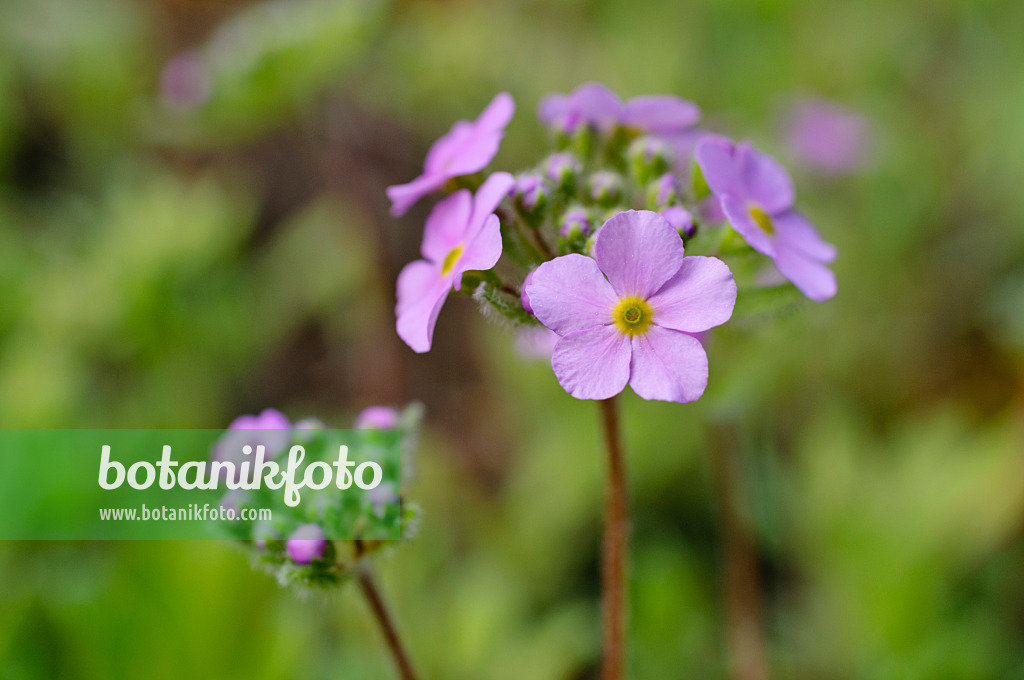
762, 219
633, 316
450, 260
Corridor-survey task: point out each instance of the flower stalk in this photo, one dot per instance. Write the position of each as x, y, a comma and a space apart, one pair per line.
387, 626
615, 549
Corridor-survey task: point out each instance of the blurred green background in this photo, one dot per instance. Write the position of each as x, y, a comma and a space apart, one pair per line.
193, 226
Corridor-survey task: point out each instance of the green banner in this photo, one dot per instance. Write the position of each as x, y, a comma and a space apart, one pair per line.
257, 485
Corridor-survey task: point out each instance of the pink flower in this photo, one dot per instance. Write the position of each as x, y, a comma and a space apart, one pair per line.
757, 196
185, 82
633, 326
307, 543
666, 116
462, 233
827, 137
467, 148
377, 418
270, 429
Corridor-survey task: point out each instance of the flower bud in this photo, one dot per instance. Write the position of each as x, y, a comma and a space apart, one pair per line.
307, 543
234, 501
575, 223
530, 193
562, 170
263, 532
681, 220
663, 191
605, 188
523, 297
382, 496
377, 417
648, 158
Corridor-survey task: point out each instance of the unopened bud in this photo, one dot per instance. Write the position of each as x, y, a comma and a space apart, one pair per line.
663, 191
562, 170
307, 543
680, 219
575, 224
605, 188
530, 193
648, 157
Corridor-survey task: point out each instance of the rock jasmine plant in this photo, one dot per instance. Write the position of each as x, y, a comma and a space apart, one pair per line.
618, 243
299, 545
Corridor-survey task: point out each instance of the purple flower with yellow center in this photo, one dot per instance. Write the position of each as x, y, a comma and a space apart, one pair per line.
467, 148
377, 418
307, 543
626, 315
462, 234
666, 116
757, 196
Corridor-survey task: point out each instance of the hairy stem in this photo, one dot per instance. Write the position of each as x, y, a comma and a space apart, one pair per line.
616, 543
387, 625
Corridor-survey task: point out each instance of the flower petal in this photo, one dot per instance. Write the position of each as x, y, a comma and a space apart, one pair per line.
739, 217
700, 296
482, 253
592, 363
476, 151
569, 293
592, 103
797, 232
638, 250
404, 196
446, 149
446, 226
716, 156
421, 294
487, 198
659, 114
765, 182
498, 113
812, 277
668, 366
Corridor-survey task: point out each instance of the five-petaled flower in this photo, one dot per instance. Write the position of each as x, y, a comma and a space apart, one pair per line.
633, 326
467, 148
462, 233
757, 196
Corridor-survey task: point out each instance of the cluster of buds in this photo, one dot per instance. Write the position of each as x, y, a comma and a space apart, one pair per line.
321, 541
627, 241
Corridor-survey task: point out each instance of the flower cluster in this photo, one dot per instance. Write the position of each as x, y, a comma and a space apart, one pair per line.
297, 544
626, 242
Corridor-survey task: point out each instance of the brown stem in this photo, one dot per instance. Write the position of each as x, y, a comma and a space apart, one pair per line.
616, 542
744, 631
511, 290
542, 243
387, 625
